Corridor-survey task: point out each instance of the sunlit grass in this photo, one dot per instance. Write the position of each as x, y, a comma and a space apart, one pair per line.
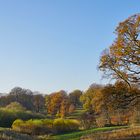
77, 135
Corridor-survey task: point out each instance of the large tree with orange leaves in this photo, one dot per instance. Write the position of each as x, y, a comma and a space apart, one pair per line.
122, 59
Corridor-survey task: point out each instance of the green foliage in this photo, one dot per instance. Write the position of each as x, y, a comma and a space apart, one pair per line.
34, 127
89, 95
15, 106
74, 98
45, 126
65, 125
8, 116
33, 101
76, 114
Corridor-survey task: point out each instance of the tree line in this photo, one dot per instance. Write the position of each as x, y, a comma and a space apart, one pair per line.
57, 103
100, 103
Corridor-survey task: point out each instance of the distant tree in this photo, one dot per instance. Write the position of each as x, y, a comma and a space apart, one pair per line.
88, 120
75, 97
71, 108
54, 102
86, 99
5, 100
47, 103
39, 102
23, 96
15, 106
94, 101
64, 108
88, 96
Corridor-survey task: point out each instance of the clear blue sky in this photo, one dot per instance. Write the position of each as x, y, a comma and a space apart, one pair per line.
49, 45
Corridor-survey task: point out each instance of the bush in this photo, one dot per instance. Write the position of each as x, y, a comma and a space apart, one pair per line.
15, 106
46, 126
101, 121
33, 127
88, 120
65, 125
72, 125
8, 116
16, 125
59, 125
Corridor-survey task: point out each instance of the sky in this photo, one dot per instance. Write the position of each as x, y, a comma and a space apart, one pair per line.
50, 45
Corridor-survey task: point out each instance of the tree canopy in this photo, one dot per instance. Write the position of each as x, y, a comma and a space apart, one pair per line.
122, 59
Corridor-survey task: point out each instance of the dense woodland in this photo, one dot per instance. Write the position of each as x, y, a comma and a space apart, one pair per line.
113, 104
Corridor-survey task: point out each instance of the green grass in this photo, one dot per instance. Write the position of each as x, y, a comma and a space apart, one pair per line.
76, 114
77, 135
67, 136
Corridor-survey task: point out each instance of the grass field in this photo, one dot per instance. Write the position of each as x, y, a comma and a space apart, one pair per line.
77, 135
119, 131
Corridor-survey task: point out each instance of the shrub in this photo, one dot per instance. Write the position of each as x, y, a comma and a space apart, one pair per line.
88, 120
33, 127
59, 125
16, 125
45, 126
48, 124
101, 121
72, 125
65, 125
8, 116
15, 106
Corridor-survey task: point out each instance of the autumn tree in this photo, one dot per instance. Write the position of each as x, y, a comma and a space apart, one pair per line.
71, 108
56, 102
75, 98
87, 99
89, 95
23, 96
122, 59
100, 103
88, 120
64, 108
39, 102
119, 100
92, 103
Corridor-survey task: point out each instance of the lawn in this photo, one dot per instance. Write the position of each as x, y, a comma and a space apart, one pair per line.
77, 135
